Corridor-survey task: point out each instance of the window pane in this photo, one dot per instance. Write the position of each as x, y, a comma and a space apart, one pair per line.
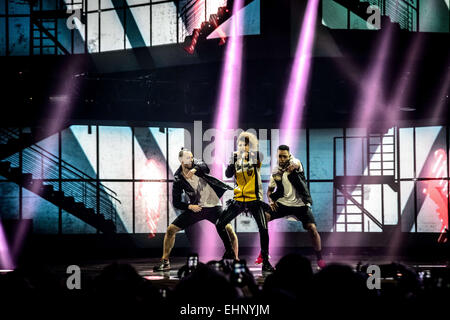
124, 210
432, 206
79, 148
42, 159
373, 204
43, 213
406, 153
135, 2
9, 201
356, 151
115, 152
390, 206
19, 35
141, 29
2, 38
334, 15
407, 205
108, 4
112, 31
164, 19
321, 152
178, 138
92, 33
150, 153
20, 7
151, 207
92, 5
430, 152
322, 195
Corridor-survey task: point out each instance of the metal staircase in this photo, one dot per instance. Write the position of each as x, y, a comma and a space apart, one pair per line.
196, 26
12, 140
378, 168
381, 154
57, 181
44, 27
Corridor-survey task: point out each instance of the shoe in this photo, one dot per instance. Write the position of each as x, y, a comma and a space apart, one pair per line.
259, 260
321, 263
267, 267
163, 265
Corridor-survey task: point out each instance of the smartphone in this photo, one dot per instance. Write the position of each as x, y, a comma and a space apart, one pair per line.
238, 270
238, 267
192, 260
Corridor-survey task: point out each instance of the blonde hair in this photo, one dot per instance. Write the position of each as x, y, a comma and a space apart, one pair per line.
251, 138
181, 153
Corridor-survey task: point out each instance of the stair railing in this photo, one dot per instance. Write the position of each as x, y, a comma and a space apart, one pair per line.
45, 166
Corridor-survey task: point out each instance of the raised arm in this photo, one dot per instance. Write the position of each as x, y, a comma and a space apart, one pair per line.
230, 170
201, 167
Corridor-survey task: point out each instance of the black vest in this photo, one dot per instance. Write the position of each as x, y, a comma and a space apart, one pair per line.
298, 181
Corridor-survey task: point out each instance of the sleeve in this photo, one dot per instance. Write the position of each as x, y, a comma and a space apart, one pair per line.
230, 170
298, 162
201, 167
272, 183
176, 197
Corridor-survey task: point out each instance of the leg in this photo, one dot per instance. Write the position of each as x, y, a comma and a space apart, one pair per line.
267, 211
268, 215
315, 237
228, 214
169, 240
304, 214
184, 220
234, 240
224, 219
260, 217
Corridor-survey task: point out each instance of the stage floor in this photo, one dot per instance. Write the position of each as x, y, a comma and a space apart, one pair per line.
168, 279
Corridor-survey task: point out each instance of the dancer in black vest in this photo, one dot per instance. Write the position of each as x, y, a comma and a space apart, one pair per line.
289, 195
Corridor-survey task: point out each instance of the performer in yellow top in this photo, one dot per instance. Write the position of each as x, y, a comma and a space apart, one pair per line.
245, 165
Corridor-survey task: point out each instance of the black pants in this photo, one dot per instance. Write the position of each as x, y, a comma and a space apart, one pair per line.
188, 218
256, 209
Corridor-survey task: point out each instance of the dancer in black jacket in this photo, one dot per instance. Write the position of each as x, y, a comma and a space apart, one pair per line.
203, 192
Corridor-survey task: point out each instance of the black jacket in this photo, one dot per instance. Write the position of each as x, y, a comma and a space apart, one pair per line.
298, 180
180, 184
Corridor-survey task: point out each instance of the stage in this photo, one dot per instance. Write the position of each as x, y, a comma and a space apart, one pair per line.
169, 279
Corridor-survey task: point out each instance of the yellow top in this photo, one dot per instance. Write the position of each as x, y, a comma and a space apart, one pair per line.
249, 186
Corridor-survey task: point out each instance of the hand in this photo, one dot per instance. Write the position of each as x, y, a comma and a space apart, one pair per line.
273, 205
195, 208
191, 173
241, 154
292, 166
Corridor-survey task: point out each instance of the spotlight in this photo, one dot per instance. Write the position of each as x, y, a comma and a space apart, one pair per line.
6, 271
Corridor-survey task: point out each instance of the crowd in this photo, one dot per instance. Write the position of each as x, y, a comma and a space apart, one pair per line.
292, 289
